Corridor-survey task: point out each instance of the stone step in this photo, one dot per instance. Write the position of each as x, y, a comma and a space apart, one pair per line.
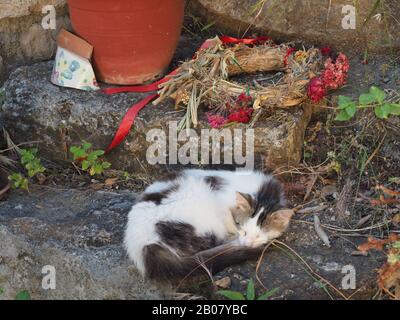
79, 234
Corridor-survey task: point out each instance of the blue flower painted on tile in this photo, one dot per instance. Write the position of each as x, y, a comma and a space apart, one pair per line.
68, 74
74, 66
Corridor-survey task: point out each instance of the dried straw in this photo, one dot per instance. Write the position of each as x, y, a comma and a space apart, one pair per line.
206, 78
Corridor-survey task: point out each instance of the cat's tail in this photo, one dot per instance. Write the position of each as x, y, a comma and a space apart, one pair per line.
162, 265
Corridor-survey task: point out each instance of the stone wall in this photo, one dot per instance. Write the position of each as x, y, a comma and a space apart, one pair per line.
314, 21
22, 38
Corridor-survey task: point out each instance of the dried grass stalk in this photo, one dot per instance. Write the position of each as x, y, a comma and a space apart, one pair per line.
256, 59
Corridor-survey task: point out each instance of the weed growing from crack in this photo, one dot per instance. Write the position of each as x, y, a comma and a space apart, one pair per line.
89, 159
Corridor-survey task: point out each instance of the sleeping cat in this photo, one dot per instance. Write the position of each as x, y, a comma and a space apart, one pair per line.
202, 219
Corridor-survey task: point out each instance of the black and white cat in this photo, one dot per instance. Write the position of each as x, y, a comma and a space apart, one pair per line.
202, 219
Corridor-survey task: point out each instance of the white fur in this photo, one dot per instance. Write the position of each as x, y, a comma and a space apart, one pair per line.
194, 203
251, 235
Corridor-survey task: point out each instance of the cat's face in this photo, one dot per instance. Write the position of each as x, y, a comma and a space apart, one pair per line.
255, 227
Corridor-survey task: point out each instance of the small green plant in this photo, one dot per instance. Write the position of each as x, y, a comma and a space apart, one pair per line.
89, 159
18, 181
127, 175
250, 293
23, 295
32, 165
376, 98
1, 291
31, 162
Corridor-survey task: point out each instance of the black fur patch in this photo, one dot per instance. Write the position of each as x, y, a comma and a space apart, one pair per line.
215, 183
158, 197
183, 238
164, 266
270, 197
222, 257
160, 264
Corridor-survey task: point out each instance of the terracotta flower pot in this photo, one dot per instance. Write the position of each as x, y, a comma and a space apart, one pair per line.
134, 40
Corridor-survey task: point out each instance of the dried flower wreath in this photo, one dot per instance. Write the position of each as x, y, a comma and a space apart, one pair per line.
208, 79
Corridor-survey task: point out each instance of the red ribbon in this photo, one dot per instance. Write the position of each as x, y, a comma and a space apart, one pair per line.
250, 41
145, 88
130, 116
128, 120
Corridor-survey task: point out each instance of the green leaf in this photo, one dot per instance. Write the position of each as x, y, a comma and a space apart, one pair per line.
351, 110
383, 111
98, 152
343, 116
13, 176
86, 145
366, 99
24, 184
344, 102
92, 157
96, 169
74, 149
268, 294
231, 295
378, 94
106, 165
85, 165
18, 181
251, 293
95, 154
31, 173
27, 156
1, 291
23, 295
395, 109
78, 152
387, 108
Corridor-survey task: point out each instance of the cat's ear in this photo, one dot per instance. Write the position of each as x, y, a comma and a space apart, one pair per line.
279, 220
244, 200
243, 209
